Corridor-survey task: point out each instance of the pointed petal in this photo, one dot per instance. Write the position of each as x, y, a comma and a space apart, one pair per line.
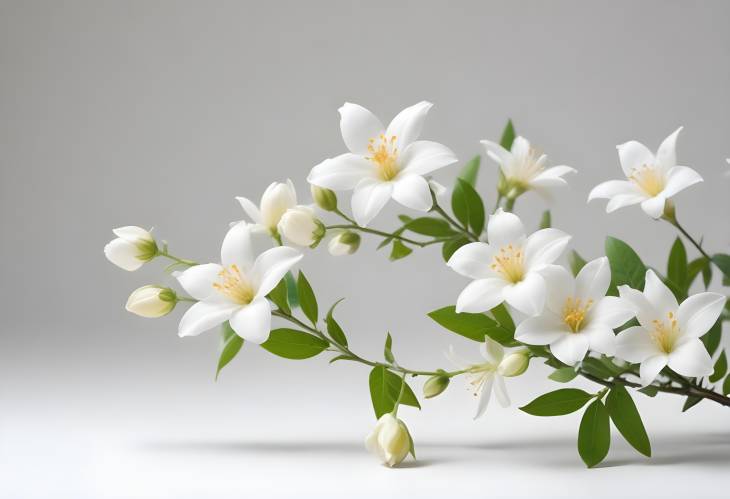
560, 286
650, 368
412, 191
551, 178
634, 155
203, 316
593, 280
253, 322
491, 350
497, 153
679, 178
611, 311
504, 228
571, 348
666, 155
458, 361
643, 308
613, 188
270, 268
624, 200
237, 248
600, 338
500, 391
343, 172
659, 296
250, 208
527, 296
691, 359
358, 126
123, 254
544, 247
520, 147
698, 313
369, 198
132, 233
198, 281
407, 124
484, 395
473, 260
541, 330
424, 156
480, 295
634, 345
654, 207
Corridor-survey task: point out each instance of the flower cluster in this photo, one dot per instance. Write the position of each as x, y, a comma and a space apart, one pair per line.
612, 320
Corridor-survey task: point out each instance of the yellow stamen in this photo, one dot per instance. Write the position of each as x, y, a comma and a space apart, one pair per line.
665, 334
233, 284
649, 179
385, 156
509, 262
574, 312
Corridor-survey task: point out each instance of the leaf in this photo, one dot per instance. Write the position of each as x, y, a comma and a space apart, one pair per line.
333, 328
472, 326
467, 206
291, 286
384, 390
546, 220
385, 242
695, 267
429, 226
596, 368
278, 295
707, 275
508, 135
293, 344
307, 300
399, 250
503, 317
726, 386
627, 420
723, 263
720, 368
649, 390
231, 345
387, 351
677, 271
712, 338
450, 247
626, 266
563, 375
594, 434
470, 170
557, 403
576, 262
690, 403
341, 357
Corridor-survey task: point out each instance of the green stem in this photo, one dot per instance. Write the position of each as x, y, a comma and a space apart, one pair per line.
461, 228
496, 205
181, 261
381, 233
509, 205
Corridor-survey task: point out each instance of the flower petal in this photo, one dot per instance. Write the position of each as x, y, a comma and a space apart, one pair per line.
123, 254
132, 233
611, 311
571, 348
497, 153
424, 156
491, 350
251, 209
634, 344
527, 296
203, 316
484, 395
593, 280
358, 126
560, 286
666, 155
698, 313
500, 391
472, 260
654, 207
520, 147
343, 172
412, 191
504, 228
643, 308
270, 268
601, 338
633, 155
679, 178
650, 368
198, 281
544, 247
624, 200
691, 359
659, 296
369, 198
237, 248
541, 330
613, 188
551, 178
253, 322
480, 295
407, 124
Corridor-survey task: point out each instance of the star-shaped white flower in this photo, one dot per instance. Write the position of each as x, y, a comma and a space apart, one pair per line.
508, 267
523, 168
578, 315
669, 333
236, 290
383, 163
483, 377
652, 179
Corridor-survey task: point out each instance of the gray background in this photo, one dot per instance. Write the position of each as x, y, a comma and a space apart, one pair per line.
159, 113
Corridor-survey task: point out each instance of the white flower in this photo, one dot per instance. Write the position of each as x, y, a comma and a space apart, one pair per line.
508, 268
151, 301
236, 290
652, 179
389, 440
344, 243
300, 226
276, 199
577, 315
383, 162
131, 249
669, 333
485, 376
524, 169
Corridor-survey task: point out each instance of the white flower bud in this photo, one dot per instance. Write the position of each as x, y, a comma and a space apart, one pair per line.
344, 243
276, 199
325, 198
514, 364
131, 249
435, 385
151, 301
300, 226
389, 440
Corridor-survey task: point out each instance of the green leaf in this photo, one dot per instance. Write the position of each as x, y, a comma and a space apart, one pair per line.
429, 226
388, 351
472, 326
690, 403
576, 262
503, 317
649, 390
411, 447
723, 263
231, 345
450, 247
563, 375
399, 250
291, 286
508, 135
626, 266
677, 271
695, 267
712, 338
707, 275
341, 357
384, 390
470, 171
333, 328
307, 300
596, 368
557, 403
726, 386
720, 368
627, 420
385, 242
278, 295
546, 220
594, 434
467, 206
293, 344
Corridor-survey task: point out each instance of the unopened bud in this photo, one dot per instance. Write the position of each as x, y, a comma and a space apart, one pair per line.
151, 301
300, 226
132, 248
325, 198
344, 243
435, 385
514, 364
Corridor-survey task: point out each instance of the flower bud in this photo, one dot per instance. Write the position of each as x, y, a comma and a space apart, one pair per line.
344, 243
276, 199
300, 226
514, 363
131, 249
389, 440
435, 385
151, 301
325, 198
